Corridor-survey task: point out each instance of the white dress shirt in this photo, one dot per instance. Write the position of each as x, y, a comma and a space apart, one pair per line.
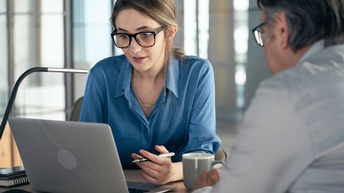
290, 137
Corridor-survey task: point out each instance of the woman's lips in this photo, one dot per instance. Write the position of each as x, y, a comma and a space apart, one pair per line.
138, 59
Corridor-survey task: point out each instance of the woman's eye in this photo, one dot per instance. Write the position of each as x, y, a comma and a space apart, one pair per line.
122, 36
145, 36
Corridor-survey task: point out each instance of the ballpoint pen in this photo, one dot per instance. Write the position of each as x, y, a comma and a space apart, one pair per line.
165, 155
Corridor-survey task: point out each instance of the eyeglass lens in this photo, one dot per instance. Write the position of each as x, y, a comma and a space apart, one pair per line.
146, 39
259, 36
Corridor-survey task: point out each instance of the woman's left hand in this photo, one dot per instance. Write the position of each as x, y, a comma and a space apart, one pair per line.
159, 170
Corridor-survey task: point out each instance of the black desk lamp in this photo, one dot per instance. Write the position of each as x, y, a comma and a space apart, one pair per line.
16, 86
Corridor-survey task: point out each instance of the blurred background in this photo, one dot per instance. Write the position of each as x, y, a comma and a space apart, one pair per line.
76, 34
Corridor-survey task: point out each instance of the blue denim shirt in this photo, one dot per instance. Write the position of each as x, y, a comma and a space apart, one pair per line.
183, 119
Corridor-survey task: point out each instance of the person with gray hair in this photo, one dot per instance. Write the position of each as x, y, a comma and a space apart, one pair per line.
292, 137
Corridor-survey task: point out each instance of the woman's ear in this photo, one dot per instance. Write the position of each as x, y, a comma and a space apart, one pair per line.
171, 32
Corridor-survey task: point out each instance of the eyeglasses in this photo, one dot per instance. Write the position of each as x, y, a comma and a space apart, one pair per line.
144, 39
258, 34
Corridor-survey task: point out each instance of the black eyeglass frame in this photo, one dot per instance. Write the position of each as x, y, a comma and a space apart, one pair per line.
154, 33
260, 32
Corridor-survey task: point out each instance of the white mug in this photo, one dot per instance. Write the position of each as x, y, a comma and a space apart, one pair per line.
194, 164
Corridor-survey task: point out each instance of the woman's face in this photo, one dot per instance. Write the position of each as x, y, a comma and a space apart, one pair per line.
143, 59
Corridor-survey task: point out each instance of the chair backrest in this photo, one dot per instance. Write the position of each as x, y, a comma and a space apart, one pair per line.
75, 110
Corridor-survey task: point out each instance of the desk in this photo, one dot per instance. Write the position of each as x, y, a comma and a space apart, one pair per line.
130, 175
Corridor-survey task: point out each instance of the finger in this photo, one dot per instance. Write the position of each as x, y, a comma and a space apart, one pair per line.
148, 178
161, 149
152, 157
214, 176
152, 178
135, 156
150, 167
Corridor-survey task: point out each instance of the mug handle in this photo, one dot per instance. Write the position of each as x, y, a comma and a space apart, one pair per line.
217, 164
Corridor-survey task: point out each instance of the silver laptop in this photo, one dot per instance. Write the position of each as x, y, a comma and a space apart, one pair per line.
62, 156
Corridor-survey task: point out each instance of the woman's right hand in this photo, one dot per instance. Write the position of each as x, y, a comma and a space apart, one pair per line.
159, 170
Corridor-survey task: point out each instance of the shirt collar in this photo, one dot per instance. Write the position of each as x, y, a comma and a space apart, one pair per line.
172, 76
315, 48
124, 79
171, 82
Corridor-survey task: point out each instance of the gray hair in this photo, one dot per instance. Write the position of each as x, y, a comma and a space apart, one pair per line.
309, 20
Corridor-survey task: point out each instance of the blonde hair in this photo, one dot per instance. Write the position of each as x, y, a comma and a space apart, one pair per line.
162, 11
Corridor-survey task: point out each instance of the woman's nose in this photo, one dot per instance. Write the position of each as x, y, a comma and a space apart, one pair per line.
134, 47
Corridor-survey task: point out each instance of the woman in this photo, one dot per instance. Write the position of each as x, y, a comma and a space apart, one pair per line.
156, 99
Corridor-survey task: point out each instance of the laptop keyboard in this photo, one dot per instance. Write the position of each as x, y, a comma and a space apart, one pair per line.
132, 190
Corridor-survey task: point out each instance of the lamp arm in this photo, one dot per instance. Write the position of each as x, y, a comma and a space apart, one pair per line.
20, 79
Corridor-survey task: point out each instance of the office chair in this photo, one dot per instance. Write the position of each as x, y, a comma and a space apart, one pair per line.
75, 110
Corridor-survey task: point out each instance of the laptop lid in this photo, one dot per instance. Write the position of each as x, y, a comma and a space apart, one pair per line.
63, 156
